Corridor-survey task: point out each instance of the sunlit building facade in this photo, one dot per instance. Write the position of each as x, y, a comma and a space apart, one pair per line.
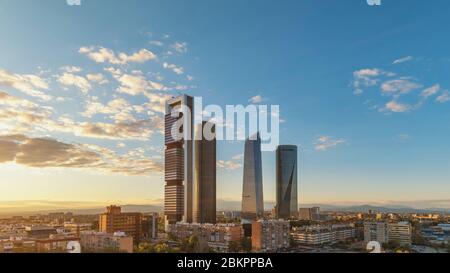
178, 193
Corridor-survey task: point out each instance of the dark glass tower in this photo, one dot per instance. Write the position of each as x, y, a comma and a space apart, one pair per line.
252, 194
286, 172
205, 177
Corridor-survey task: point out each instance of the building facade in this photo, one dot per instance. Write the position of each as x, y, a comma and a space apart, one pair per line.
384, 232
101, 242
178, 193
252, 193
286, 182
270, 235
205, 175
150, 226
322, 235
115, 221
218, 236
401, 233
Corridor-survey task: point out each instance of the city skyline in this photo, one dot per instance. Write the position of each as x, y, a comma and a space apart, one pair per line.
82, 102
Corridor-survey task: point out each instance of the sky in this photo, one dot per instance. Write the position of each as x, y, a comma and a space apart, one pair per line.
362, 90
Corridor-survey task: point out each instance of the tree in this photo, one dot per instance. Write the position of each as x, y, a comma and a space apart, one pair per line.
145, 248
246, 244
234, 247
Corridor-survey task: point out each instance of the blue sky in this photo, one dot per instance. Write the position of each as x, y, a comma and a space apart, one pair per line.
362, 91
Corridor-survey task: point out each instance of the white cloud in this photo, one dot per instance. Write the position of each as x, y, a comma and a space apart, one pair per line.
156, 43
72, 69
396, 107
430, 91
399, 86
97, 78
138, 84
105, 55
403, 60
445, 97
324, 143
68, 79
29, 84
177, 69
256, 99
179, 47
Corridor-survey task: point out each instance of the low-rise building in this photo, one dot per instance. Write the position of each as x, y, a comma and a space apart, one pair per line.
218, 236
101, 242
76, 229
385, 232
270, 235
321, 235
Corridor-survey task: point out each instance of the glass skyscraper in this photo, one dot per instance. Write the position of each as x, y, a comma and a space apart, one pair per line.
205, 176
252, 194
286, 175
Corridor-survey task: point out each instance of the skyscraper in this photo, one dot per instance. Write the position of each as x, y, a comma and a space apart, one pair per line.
286, 173
252, 194
178, 194
205, 176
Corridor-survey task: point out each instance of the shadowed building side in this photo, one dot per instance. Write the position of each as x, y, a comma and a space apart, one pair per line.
286, 173
205, 176
252, 193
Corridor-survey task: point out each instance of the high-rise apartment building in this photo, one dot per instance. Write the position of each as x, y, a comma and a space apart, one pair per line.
270, 235
205, 175
114, 220
178, 194
252, 194
286, 184
376, 231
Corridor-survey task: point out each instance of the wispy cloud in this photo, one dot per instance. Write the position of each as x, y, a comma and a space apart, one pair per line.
325, 143
30, 84
105, 55
403, 60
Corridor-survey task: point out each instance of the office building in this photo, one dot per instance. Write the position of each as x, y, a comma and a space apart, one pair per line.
309, 214
205, 175
114, 220
286, 182
101, 242
178, 194
270, 235
252, 193
150, 226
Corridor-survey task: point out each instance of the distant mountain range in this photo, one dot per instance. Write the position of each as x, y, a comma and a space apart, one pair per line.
234, 206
